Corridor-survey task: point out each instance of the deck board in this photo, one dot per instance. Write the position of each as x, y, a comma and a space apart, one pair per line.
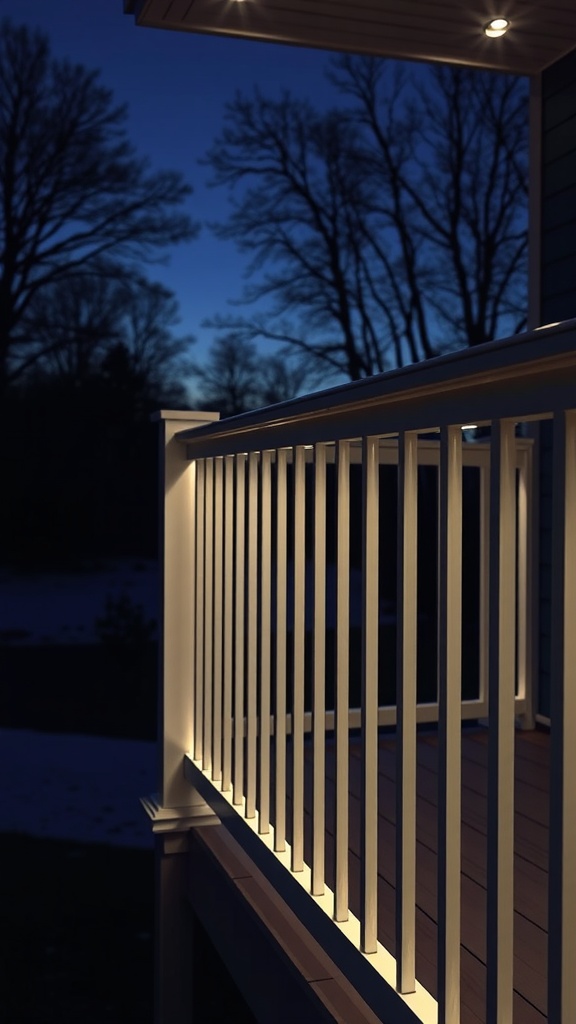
531, 861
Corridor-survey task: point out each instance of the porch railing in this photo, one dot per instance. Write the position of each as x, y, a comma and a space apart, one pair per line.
286, 615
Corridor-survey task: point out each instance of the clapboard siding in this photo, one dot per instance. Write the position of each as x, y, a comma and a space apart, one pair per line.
558, 244
559, 190
558, 290
560, 137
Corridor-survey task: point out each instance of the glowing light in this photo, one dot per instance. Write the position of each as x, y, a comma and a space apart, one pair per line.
496, 27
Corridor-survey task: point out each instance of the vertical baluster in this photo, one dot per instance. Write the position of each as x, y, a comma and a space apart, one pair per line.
252, 636
218, 618
281, 585
193, 638
342, 676
208, 611
265, 629
319, 677
501, 683
199, 631
238, 776
369, 806
227, 666
562, 876
450, 696
484, 597
299, 635
407, 639
523, 687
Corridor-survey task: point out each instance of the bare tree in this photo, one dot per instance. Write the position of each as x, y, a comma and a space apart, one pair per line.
75, 199
387, 230
72, 323
450, 182
78, 324
297, 217
236, 377
156, 348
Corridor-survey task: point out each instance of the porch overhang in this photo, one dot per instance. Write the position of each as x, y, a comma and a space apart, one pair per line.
451, 32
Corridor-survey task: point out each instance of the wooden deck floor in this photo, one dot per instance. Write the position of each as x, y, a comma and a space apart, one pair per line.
531, 864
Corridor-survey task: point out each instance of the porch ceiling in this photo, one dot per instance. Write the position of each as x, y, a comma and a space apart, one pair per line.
541, 31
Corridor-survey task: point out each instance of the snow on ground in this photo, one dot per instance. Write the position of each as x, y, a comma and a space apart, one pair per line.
62, 608
80, 788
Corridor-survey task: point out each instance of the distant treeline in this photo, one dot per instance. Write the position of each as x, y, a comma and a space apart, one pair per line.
79, 474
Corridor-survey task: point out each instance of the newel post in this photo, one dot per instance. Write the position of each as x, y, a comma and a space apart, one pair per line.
177, 554
177, 807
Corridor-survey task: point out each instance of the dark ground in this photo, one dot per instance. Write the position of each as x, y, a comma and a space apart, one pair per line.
76, 934
76, 942
77, 920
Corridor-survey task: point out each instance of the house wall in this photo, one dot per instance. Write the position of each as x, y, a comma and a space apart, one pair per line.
558, 287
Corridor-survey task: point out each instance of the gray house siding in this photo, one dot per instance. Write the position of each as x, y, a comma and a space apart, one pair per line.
559, 190
558, 287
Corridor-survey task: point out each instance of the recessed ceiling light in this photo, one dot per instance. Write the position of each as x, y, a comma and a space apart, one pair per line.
496, 27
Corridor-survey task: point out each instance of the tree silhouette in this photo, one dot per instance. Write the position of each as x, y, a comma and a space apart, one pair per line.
78, 325
236, 377
75, 199
386, 230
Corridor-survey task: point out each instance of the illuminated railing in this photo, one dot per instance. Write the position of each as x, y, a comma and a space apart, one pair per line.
274, 624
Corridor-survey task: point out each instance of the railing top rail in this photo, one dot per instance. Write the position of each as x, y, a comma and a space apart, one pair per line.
525, 376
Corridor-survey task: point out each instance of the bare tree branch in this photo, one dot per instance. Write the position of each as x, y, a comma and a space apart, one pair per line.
237, 377
389, 229
74, 196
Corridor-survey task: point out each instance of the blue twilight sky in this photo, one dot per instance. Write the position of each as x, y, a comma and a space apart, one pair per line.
176, 86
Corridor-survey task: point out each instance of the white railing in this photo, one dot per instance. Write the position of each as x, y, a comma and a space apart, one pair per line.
264, 596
